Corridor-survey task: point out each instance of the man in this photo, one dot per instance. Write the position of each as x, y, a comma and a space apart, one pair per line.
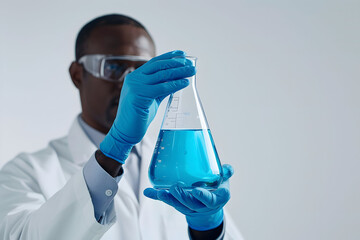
89, 184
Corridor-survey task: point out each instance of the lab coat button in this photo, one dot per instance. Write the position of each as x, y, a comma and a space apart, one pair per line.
108, 192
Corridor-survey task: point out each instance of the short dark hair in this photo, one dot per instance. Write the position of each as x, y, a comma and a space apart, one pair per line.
105, 20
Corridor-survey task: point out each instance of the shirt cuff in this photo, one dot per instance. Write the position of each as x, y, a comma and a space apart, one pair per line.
102, 187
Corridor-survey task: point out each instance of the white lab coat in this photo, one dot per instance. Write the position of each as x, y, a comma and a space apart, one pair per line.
43, 195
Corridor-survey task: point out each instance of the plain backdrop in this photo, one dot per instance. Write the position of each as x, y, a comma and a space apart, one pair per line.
279, 82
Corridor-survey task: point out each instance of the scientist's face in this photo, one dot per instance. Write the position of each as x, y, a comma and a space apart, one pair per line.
100, 98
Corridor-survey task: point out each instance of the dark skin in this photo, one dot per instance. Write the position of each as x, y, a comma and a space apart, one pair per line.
99, 98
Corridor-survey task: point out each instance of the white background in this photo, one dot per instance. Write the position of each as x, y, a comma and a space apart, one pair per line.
279, 82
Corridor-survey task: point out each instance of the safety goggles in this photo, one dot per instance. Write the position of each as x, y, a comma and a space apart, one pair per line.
111, 68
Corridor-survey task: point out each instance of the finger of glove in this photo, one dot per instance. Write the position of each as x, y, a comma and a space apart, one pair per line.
169, 199
166, 197
161, 90
161, 98
165, 64
214, 199
228, 171
171, 74
168, 55
151, 193
187, 199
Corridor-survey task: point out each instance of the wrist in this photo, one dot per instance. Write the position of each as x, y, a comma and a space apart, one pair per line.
216, 233
205, 222
111, 166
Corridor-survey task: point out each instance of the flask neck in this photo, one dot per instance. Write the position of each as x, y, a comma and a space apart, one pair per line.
192, 81
184, 109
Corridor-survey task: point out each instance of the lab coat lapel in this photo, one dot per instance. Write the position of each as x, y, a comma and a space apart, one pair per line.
81, 147
145, 152
125, 187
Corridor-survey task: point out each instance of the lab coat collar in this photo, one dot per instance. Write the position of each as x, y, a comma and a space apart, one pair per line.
81, 147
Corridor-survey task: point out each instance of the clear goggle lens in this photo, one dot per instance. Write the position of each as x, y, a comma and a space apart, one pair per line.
112, 68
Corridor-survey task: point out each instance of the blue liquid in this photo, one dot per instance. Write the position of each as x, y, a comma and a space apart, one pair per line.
187, 156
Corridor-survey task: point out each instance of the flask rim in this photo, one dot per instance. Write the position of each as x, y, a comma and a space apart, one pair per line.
187, 57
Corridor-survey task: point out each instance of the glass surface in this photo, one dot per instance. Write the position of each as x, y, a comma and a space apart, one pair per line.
185, 151
188, 156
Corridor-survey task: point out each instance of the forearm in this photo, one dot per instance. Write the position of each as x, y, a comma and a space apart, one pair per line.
102, 175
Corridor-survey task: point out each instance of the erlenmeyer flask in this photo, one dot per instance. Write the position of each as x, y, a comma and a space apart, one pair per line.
185, 151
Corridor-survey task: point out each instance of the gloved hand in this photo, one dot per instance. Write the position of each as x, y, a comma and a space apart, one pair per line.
141, 94
203, 208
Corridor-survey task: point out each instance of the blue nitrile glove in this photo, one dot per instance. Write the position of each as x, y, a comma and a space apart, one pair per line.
203, 208
141, 95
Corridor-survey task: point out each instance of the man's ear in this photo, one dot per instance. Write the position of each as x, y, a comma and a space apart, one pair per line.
76, 73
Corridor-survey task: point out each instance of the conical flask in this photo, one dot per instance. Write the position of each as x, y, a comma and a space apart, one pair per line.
185, 151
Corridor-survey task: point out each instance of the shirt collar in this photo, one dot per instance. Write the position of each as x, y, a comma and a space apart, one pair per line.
94, 135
